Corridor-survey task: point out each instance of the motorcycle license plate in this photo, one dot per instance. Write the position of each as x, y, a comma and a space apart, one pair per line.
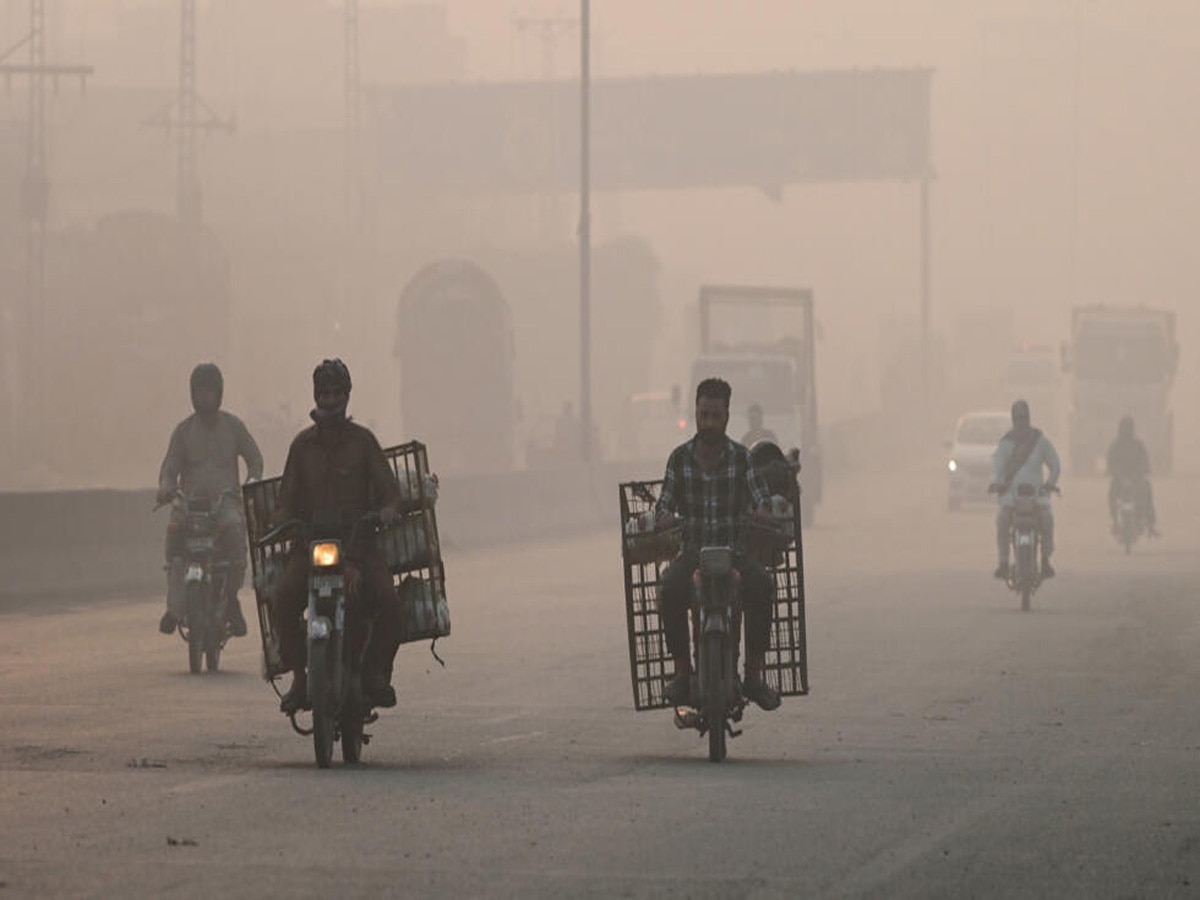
194, 573
1024, 540
325, 585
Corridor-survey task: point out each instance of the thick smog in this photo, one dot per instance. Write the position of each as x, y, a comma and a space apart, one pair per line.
555, 448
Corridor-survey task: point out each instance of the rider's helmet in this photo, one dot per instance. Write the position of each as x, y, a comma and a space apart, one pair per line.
1020, 414
207, 376
1125, 429
331, 374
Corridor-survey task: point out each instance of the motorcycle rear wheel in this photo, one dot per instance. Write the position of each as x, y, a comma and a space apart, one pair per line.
716, 705
320, 690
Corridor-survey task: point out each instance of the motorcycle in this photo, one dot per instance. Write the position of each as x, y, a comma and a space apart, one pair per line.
205, 625
716, 614
1131, 524
338, 634
1025, 538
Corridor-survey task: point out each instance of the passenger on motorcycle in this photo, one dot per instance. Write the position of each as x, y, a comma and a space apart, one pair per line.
1128, 459
710, 483
1020, 458
754, 416
335, 470
202, 459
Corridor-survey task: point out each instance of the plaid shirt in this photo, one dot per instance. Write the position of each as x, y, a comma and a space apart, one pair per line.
711, 504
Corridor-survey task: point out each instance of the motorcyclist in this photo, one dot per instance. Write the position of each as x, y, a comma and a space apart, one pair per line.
1128, 460
710, 483
754, 415
202, 459
336, 473
1020, 458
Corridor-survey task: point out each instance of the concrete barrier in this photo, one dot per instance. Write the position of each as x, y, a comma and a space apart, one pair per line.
93, 543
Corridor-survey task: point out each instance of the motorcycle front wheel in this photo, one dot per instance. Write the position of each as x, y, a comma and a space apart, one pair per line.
1025, 575
716, 704
196, 622
320, 691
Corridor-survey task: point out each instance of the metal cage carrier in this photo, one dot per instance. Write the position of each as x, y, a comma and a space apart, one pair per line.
410, 547
646, 551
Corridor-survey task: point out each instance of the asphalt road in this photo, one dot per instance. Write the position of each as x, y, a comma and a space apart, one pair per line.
952, 746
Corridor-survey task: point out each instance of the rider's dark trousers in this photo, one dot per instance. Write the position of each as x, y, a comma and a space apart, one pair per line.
1145, 498
675, 596
291, 599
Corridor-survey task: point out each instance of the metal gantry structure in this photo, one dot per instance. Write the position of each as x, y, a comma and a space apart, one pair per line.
35, 200
188, 116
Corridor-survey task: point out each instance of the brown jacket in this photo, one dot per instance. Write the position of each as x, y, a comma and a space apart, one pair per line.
336, 475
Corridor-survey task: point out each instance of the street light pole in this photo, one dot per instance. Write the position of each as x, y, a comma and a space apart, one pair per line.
585, 238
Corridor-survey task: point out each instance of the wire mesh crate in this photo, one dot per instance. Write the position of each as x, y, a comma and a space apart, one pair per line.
410, 547
646, 555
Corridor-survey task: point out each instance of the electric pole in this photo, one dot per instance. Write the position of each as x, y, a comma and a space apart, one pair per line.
35, 209
188, 115
585, 232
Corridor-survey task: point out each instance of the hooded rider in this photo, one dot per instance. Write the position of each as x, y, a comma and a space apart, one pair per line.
334, 475
202, 460
1128, 460
1020, 458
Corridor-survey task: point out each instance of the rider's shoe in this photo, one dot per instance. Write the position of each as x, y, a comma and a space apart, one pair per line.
378, 692
233, 614
296, 697
1047, 570
1001, 571
168, 623
761, 693
678, 691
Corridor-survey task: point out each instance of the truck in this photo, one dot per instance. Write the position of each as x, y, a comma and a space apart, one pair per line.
1121, 360
762, 340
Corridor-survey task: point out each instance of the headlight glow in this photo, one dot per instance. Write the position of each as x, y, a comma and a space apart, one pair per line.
325, 555
952, 465
318, 628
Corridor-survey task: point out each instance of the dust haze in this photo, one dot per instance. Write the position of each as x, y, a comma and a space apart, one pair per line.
1062, 148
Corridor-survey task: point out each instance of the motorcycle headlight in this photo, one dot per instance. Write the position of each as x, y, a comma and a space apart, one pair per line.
952, 465
326, 555
318, 628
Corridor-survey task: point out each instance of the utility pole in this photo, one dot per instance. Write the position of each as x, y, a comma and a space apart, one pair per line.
188, 115
35, 209
585, 232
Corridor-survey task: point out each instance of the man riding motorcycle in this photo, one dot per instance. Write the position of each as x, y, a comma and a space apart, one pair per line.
335, 472
202, 459
710, 483
1128, 460
1020, 458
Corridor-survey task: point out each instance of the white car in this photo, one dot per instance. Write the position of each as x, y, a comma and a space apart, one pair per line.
970, 464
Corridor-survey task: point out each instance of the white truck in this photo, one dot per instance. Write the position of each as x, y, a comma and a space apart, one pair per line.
762, 340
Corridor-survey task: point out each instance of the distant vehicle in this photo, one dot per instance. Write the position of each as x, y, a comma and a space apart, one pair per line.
976, 435
655, 424
762, 340
1122, 362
